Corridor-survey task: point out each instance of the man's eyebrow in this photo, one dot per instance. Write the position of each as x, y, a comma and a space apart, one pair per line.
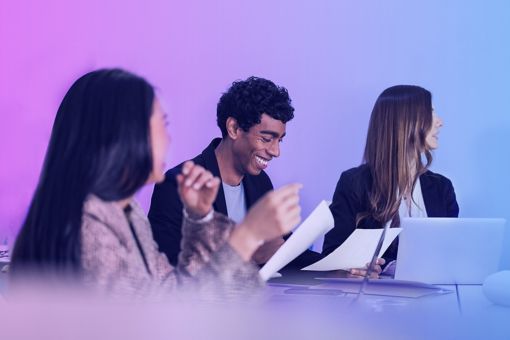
272, 133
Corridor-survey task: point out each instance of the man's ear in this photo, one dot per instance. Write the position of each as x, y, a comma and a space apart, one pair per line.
232, 128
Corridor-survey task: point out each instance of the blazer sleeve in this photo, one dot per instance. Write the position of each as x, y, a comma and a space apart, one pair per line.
207, 261
165, 216
107, 263
344, 208
207, 265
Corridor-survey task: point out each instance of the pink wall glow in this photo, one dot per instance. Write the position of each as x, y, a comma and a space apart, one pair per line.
335, 57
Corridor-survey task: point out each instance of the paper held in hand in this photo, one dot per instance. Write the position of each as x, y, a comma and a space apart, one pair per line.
317, 224
356, 251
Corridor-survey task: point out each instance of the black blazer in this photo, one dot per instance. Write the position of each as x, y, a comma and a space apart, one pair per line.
165, 214
351, 198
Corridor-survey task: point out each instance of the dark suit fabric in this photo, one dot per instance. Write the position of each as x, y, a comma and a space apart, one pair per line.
351, 198
165, 213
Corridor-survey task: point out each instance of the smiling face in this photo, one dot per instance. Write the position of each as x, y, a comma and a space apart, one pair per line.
255, 148
432, 139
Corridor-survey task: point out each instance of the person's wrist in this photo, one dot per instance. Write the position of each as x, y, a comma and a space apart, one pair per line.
195, 215
245, 241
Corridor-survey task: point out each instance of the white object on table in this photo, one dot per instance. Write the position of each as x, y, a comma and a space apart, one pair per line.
356, 251
319, 222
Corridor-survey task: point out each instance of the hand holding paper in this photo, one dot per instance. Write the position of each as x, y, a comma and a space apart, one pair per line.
356, 251
318, 223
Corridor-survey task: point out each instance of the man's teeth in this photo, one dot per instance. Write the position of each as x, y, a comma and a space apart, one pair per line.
261, 161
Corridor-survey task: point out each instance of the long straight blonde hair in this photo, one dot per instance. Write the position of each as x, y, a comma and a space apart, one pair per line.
400, 121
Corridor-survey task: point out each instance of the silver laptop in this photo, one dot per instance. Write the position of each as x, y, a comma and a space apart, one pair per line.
449, 250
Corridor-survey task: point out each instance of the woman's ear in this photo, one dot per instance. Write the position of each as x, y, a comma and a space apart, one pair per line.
232, 128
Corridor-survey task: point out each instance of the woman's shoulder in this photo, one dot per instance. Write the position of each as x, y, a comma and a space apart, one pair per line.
102, 218
357, 174
102, 211
434, 178
355, 180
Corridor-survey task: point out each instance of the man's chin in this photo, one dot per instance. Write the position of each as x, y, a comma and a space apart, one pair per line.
254, 171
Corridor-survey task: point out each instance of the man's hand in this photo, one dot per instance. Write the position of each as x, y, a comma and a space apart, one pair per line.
197, 188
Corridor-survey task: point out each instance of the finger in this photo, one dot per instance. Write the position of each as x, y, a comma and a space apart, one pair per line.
294, 213
180, 183
213, 183
377, 268
352, 276
358, 272
381, 261
290, 217
282, 193
203, 178
193, 174
186, 167
287, 205
290, 202
180, 179
290, 223
355, 276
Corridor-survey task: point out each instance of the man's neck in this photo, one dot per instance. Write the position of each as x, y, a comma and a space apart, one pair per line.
226, 163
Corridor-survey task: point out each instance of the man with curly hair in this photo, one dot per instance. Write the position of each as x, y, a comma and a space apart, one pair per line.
252, 116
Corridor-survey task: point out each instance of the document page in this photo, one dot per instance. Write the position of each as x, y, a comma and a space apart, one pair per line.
317, 224
356, 251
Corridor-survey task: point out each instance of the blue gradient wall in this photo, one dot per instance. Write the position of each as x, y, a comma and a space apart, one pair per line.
334, 57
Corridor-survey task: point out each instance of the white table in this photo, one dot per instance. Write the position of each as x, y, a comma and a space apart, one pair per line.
464, 313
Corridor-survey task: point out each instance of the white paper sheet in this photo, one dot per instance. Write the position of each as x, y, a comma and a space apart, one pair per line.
356, 251
318, 223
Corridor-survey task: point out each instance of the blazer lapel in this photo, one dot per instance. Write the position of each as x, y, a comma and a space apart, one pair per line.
211, 164
427, 190
250, 191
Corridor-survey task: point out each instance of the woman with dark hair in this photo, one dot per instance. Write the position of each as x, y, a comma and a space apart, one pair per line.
394, 180
108, 140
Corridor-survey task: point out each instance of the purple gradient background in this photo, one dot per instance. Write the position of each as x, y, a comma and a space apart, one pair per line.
334, 57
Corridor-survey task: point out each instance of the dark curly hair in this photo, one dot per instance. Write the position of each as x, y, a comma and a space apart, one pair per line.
246, 100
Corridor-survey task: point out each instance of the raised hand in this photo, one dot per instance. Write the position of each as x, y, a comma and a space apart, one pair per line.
197, 188
274, 215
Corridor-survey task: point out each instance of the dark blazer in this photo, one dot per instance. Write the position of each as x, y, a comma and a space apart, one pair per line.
351, 198
165, 213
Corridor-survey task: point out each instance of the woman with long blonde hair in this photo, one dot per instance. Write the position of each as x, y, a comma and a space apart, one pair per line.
394, 181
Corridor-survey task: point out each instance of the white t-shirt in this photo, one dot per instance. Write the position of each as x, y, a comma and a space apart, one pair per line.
235, 200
